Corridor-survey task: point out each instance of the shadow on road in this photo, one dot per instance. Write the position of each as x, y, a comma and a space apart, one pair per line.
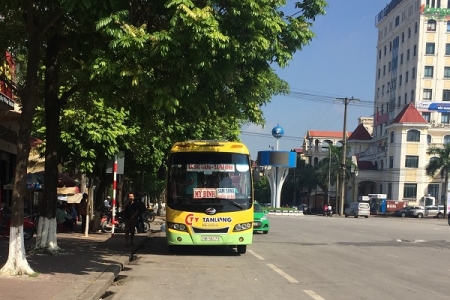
158, 246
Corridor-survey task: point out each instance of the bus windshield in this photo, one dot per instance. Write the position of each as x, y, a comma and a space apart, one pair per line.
200, 180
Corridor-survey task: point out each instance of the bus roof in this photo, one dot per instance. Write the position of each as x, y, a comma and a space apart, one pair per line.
209, 146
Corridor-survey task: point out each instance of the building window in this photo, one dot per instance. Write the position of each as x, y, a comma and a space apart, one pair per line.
401, 59
392, 137
447, 49
446, 95
379, 54
428, 139
413, 73
407, 54
431, 25
426, 116
415, 50
427, 94
433, 190
385, 49
411, 161
403, 37
391, 162
400, 78
409, 32
379, 73
397, 21
406, 98
447, 72
384, 70
389, 67
399, 100
410, 190
446, 139
429, 48
428, 72
445, 118
448, 24
413, 135
406, 76
412, 96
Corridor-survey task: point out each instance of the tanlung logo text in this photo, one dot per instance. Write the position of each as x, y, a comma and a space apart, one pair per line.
219, 219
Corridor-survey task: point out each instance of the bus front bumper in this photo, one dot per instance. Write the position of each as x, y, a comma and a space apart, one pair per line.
183, 238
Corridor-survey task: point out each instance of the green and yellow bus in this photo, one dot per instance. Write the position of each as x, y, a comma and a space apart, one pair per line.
209, 195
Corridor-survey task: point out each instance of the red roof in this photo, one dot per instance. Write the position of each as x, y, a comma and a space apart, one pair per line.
298, 150
361, 134
325, 134
409, 114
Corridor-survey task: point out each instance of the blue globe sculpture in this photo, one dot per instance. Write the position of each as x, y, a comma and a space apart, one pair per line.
277, 132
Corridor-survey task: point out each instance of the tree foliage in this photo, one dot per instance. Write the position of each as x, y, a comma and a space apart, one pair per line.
440, 162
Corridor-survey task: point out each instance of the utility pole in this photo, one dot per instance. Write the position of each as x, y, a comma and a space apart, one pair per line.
344, 153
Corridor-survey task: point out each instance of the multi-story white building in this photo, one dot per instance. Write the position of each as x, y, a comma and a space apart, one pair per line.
412, 98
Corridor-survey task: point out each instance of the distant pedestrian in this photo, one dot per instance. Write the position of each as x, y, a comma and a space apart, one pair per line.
83, 212
140, 219
63, 218
107, 203
131, 212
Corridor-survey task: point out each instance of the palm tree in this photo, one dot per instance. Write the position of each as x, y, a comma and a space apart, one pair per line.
307, 177
330, 168
440, 164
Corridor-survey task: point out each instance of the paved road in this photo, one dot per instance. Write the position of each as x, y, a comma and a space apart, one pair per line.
309, 257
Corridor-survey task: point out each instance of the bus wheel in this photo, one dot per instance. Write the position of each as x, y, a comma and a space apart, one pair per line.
241, 249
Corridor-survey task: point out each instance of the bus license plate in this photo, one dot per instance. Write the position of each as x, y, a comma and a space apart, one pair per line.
210, 239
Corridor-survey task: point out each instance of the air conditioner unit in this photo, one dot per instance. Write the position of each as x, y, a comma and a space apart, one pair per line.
441, 125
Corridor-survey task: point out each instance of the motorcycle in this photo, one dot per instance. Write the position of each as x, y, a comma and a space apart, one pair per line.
119, 224
149, 215
28, 228
329, 213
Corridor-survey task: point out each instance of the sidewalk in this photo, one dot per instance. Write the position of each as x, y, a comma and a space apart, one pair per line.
85, 271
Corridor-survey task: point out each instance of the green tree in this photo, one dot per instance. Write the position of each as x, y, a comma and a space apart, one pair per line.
262, 190
440, 163
24, 32
307, 177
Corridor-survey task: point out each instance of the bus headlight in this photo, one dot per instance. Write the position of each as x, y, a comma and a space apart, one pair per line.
176, 226
242, 226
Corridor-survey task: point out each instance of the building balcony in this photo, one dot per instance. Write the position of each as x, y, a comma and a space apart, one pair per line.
316, 151
373, 152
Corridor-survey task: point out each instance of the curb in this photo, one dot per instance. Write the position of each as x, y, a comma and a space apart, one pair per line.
95, 286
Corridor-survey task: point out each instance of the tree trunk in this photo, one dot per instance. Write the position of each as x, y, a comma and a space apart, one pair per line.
52, 114
17, 263
446, 193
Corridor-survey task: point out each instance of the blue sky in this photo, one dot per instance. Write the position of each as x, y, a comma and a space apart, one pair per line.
339, 62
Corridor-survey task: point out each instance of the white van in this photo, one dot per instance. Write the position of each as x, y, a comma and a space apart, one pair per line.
357, 209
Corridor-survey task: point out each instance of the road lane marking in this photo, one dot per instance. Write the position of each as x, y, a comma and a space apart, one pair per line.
391, 255
279, 271
313, 295
256, 255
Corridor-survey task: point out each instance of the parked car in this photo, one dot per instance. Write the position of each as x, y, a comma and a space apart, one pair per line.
403, 211
435, 211
416, 211
260, 220
357, 209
